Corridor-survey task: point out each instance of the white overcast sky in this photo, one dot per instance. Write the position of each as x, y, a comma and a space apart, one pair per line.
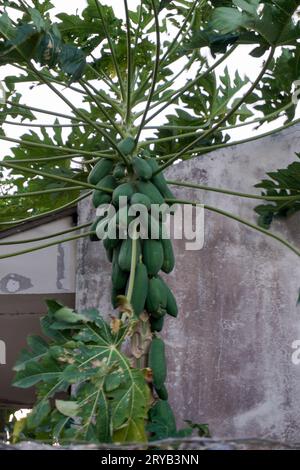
43, 98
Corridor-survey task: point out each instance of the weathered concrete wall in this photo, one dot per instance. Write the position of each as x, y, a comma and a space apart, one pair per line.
51, 270
230, 349
26, 281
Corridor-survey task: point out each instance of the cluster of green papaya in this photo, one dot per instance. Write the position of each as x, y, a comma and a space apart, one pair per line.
140, 184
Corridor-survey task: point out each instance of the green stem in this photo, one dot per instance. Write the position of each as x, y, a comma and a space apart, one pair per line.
25, 170
155, 72
225, 118
102, 108
53, 79
106, 99
47, 245
175, 43
186, 66
62, 157
46, 237
76, 110
192, 133
136, 39
42, 111
233, 193
79, 113
238, 219
162, 88
112, 49
132, 266
52, 211
189, 85
170, 83
105, 78
203, 150
28, 143
129, 64
39, 193
267, 117
47, 159
54, 125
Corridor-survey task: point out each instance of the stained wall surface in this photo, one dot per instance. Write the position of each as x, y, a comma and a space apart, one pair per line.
230, 350
26, 281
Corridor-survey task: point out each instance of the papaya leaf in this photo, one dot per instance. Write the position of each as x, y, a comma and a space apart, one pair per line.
40, 412
68, 315
72, 61
226, 20
37, 19
38, 349
273, 22
283, 182
111, 399
67, 408
34, 372
164, 4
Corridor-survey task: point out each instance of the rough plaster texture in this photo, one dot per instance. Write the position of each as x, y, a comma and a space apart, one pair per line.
230, 350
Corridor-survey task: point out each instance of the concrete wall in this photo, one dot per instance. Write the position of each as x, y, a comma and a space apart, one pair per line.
51, 270
25, 282
230, 349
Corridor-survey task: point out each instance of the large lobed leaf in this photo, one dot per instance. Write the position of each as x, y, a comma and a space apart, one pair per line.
273, 22
111, 399
40, 41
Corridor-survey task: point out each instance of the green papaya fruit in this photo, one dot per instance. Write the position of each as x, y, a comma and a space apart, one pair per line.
100, 196
157, 362
157, 323
119, 277
139, 198
169, 258
156, 301
162, 393
140, 289
153, 256
147, 188
171, 307
159, 180
102, 168
127, 145
120, 171
126, 253
123, 190
141, 168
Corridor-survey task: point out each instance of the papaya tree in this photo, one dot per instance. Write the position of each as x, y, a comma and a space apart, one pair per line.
153, 89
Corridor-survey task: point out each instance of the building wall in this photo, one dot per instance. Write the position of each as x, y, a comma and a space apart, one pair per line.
51, 270
26, 281
230, 350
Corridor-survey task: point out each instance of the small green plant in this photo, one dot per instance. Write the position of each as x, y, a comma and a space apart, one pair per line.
110, 400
